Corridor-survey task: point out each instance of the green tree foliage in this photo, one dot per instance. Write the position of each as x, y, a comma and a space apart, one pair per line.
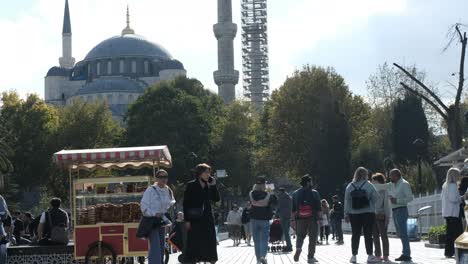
86, 125
308, 127
409, 123
5, 152
180, 114
29, 124
233, 150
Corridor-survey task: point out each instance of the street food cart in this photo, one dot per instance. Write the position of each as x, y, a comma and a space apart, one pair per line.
106, 208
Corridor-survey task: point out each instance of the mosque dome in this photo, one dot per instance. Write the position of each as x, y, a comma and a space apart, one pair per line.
128, 45
111, 85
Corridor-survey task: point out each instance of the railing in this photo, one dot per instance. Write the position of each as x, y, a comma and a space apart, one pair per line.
427, 219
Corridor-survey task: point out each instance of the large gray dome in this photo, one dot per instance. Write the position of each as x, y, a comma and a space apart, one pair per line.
128, 45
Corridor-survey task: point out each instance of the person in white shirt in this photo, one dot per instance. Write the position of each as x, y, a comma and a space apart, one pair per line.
234, 221
451, 201
400, 195
156, 200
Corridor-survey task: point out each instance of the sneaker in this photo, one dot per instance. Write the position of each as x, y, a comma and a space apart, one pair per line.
373, 259
297, 254
312, 260
263, 261
353, 259
403, 258
339, 243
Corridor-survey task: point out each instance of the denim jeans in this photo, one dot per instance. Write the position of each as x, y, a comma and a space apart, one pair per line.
400, 217
338, 229
285, 224
261, 235
156, 244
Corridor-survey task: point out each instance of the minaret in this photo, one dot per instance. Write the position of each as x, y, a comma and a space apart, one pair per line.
128, 29
226, 77
66, 61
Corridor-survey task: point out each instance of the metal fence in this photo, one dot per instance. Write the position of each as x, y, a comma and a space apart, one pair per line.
427, 218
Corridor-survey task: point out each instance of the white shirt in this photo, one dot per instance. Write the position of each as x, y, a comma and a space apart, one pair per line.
234, 218
401, 190
450, 200
156, 200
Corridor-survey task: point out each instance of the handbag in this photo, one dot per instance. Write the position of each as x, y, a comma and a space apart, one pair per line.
147, 224
305, 211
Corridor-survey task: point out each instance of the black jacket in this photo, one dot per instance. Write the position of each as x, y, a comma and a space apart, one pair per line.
338, 209
262, 213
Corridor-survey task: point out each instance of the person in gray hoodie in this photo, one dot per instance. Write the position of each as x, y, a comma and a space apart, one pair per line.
284, 212
359, 209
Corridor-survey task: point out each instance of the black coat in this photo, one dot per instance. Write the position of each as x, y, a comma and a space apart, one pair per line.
201, 238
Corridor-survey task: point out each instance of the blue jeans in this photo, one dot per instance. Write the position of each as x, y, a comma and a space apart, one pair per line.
400, 217
156, 244
285, 224
261, 235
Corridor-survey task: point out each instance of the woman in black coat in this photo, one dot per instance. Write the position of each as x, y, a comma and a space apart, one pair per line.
199, 221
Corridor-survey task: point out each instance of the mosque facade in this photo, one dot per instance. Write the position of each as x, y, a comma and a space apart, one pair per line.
117, 70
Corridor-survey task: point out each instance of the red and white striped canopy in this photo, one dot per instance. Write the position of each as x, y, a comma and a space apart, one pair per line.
153, 155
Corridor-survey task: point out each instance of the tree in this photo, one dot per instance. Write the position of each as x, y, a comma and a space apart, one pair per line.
233, 150
451, 114
308, 127
85, 125
30, 125
180, 114
408, 124
5, 153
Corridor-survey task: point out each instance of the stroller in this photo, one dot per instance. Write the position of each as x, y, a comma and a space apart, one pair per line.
176, 242
276, 237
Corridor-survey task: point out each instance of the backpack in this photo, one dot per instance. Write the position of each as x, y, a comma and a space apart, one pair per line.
58, 233
359, 199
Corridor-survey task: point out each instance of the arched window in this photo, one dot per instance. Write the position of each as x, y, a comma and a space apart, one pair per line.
109, 67
121, 66
146, 67
133, 66
98, 68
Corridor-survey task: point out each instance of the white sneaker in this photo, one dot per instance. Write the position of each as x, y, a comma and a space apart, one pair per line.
353, 259
373, 259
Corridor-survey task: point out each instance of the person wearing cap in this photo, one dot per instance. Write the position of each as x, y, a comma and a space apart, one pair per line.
284, 212
338, 217
261, 213
307, 211
157, 199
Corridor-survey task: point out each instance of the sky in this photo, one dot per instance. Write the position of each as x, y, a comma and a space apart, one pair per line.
354, 37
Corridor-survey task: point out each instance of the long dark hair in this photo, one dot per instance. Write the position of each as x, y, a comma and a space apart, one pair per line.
463, 185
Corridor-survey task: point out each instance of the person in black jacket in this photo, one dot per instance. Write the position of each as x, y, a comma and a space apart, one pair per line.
338, 219
307, 210
261, 212
199, 221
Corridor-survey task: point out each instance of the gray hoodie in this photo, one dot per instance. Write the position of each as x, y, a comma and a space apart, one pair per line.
371, 194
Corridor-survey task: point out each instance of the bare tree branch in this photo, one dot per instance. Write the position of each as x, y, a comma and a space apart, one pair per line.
424, 87
457, 28
461, 75
429, 101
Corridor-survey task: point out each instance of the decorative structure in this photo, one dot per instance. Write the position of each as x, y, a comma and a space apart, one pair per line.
117, 70
226, 77
255, 51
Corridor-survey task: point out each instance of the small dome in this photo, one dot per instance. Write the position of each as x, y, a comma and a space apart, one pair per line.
128, 45
111, 84
58, 71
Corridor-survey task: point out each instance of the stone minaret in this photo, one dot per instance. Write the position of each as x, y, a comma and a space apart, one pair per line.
226, 77
66, 61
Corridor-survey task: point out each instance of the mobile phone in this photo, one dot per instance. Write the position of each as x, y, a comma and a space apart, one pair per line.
210, 180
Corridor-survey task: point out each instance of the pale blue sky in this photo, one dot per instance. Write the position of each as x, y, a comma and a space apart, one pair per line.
352, 36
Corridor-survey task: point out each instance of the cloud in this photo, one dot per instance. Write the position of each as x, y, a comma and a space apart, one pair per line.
184, 27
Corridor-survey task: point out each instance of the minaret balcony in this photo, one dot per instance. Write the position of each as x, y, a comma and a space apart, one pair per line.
225, 30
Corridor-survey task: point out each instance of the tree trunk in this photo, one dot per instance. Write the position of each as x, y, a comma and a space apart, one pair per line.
454, 127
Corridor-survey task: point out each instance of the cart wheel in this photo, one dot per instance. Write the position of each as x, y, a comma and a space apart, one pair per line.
141, 260
105, 256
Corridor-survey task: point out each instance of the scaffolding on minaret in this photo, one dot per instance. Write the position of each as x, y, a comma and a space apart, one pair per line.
255, 66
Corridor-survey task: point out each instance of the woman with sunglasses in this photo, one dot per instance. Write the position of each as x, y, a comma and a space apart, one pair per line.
199, 222
156, 200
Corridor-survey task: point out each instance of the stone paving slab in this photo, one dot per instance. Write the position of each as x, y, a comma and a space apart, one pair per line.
327, 254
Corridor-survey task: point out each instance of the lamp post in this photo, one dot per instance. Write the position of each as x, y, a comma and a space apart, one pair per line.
419, 147
388, 165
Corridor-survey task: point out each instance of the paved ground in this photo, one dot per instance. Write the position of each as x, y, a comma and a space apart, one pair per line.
328, 254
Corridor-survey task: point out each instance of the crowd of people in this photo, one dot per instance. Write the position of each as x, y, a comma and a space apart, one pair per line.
368, 205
